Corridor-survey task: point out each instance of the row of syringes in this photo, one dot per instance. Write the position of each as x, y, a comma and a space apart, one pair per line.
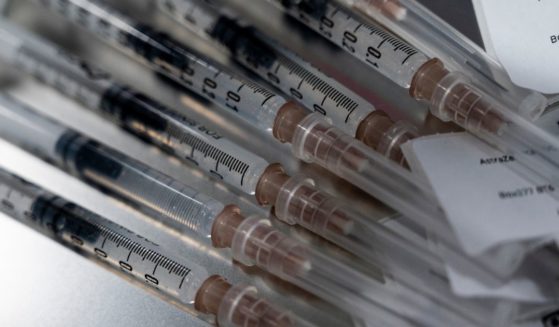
312, 137
295, 201
253, 240
314, 140
131, 255
187, 140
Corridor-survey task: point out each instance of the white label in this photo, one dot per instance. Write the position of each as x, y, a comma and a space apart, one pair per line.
486, 203
524, 36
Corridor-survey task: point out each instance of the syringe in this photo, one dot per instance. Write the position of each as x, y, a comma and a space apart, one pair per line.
296, 201
252, 240
293, 75
136, 258
436, 38
452, 96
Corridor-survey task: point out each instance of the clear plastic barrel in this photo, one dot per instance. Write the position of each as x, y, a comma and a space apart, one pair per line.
369, 42
124, 252
155, 194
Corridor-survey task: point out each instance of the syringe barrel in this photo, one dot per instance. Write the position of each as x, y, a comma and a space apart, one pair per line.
185, 138
111, 244
151, 192
158, 195
52, 66
133, 256
164, 54
370, 43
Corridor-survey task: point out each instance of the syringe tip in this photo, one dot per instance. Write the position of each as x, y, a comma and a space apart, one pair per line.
385, 136
238, 305
452, 96
286, 121
225, 226
427, 78
270, 184
210, 294
255, 242
258, 243
300, 202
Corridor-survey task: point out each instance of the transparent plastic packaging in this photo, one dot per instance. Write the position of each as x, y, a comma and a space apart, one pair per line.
148, 44
169, 57
370, 43
300, 203
314, 140
377, 119
151, 120
375, 44
156, 49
